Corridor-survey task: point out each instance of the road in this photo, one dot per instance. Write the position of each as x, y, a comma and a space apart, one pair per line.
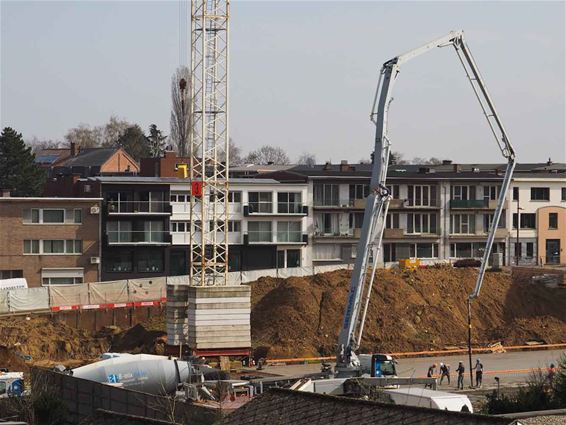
512, 368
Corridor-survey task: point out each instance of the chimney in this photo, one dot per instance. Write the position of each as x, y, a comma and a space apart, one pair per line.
6, 193
457, 168
73, 149
446, 162
328, 165
549, 162
344, 166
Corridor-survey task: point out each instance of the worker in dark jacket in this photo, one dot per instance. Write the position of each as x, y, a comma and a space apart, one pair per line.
461, 369
431, 373
444, 372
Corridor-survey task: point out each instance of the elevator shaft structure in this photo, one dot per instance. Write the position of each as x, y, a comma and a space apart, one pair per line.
208, 142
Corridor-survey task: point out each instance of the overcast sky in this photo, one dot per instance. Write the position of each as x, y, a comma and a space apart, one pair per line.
303, 74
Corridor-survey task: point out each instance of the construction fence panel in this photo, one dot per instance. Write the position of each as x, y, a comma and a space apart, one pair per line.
108, 292
151, 289
234, 278
28, 299
4, 306
68, 295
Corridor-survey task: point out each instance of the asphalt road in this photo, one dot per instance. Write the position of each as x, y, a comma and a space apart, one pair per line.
512, 368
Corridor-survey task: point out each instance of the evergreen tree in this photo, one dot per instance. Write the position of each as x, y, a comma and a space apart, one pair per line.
135, 142
18, 170
156, 141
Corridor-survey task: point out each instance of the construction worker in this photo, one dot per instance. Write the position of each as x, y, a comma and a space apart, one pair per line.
444, 372
479, 373
551, 373
461, 369
431, 373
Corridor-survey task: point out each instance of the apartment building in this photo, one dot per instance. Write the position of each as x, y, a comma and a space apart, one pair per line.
50, 241
537, 213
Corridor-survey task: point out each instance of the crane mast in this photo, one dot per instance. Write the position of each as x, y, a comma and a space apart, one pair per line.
363, 275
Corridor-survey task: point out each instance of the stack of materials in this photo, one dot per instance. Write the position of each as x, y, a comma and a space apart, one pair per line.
219, 317
177, 314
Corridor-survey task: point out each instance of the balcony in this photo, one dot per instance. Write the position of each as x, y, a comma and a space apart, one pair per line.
466, 204
350, 234
138, 237
138, 208
393, 233
287, 209
396, 203
333, 203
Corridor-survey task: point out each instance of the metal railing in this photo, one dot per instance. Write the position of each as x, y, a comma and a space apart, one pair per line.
291, 236
289, 208
137, 236
135, 207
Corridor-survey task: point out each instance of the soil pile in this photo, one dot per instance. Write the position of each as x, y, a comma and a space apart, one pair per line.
410, 310
140, 339
46, 342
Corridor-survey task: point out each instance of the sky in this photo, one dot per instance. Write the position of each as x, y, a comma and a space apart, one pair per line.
302, 74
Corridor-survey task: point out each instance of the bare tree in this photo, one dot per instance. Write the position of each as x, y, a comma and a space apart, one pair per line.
39, 144
307, 159
423, 161
396, 158
85, 136
267, 155
113, 130
181, 116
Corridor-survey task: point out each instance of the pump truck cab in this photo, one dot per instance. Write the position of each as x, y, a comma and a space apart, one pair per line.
377, 365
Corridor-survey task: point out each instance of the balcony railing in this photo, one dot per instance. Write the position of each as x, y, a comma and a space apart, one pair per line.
138, 207
294, 236
116, 237
469, 203
259, 237
351, 233
290, 208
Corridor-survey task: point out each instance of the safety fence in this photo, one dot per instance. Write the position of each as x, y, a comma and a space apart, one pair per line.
124, 293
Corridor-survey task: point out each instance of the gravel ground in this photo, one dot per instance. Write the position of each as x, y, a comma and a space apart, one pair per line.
545, 420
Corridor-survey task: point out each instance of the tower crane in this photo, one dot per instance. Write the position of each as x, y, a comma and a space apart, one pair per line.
363, 275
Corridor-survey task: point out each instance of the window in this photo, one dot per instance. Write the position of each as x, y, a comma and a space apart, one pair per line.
530, 249
53, 216
359, 191
393, 190
421, 223
179, 227
564, 193
73, 246
118, 261
490, 193
234, 197
259, 231
528, 221
326, 224
53, 247
173, 198
289, 231
280, 259
119, 231
463, 193
553, 220
54, 276
78, 216
289, 203
293, 258
422, 196
180, 198
392, 221
234, 226
62, 280
540, 194
515, 193
462, 224
149, 261
31, 247
356, 220
11, 274
35, 215
260, 202
424, 250
152, 232
518, 248
461, 250
488, 219
326, 195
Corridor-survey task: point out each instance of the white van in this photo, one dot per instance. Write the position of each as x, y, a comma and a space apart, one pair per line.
422, 397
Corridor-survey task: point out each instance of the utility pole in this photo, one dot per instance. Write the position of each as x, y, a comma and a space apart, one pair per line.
517, 246
209, 143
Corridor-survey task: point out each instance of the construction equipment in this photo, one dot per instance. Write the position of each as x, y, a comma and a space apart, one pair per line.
11, 384
347, 362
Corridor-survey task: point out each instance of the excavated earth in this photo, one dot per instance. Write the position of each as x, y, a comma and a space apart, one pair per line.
410, 310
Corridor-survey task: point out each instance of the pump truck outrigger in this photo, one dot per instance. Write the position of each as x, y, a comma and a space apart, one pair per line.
347, 362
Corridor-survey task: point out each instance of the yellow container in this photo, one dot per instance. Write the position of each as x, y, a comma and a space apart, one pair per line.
409, 263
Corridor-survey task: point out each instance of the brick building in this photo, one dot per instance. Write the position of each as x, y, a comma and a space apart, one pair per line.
50, 241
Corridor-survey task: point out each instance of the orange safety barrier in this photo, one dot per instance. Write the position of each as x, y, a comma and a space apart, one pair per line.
427, 353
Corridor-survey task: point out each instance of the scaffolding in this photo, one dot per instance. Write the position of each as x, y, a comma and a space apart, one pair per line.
209, 143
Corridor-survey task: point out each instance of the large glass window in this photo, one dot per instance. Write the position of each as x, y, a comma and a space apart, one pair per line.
293, 258
260, 202
421, 223
528, 221
53, 247
393, 190
463, 192
53, 216
149, 261
422, 196
118, 261
356, 220
359, 191
289, 203
462, 224
289, 231
540, 194
488, 219
326, 195
490, 193
234, 197
119, 231
234, 226
259, 231
392, 221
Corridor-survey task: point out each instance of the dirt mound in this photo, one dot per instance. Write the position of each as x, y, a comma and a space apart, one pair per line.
44, 341
409, 310
139, 340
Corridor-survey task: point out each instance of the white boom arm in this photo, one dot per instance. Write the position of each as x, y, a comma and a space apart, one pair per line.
347, 363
